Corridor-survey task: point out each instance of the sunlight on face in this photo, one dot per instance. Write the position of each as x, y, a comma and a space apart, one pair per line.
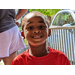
30, 15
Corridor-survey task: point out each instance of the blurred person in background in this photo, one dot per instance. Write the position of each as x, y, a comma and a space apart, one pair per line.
10, 36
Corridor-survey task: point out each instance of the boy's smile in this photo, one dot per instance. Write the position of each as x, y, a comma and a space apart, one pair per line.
36, 31
37, 37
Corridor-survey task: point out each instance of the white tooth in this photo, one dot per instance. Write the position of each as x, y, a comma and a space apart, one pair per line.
37, 37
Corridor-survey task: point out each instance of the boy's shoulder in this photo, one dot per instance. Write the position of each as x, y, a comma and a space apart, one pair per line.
56, 52
21, 55
20, 58
62, 58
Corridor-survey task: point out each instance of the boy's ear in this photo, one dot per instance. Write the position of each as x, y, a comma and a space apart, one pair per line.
22, 34
49, 33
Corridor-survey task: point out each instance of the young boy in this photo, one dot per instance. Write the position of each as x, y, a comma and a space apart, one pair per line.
36, 30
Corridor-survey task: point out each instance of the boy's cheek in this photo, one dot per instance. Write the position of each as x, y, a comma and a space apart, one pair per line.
25, 34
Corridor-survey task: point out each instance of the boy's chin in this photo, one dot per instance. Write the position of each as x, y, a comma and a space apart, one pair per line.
37, 44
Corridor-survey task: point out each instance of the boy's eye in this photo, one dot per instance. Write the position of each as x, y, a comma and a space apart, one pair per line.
42, 27
31, 27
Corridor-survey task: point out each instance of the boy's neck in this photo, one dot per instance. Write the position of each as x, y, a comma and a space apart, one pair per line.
38, 51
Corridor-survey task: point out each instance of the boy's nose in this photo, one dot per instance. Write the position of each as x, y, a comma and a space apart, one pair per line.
37, 31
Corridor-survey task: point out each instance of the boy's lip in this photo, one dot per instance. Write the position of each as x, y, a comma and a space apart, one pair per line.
37, 36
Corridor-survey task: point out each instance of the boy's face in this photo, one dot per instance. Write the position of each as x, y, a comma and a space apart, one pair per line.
36, 31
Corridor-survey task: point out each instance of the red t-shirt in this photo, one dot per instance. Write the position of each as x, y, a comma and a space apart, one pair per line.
54, 57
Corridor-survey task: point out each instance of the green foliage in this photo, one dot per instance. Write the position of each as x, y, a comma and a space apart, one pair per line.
26, 42
20, 28
46, 12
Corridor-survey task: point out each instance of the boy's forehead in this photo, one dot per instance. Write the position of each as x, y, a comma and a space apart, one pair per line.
31, 15
36, 18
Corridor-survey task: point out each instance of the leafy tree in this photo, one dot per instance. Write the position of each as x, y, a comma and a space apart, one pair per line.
47, 12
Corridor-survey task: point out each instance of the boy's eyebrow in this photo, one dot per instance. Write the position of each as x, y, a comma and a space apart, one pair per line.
41, 21
29, 23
